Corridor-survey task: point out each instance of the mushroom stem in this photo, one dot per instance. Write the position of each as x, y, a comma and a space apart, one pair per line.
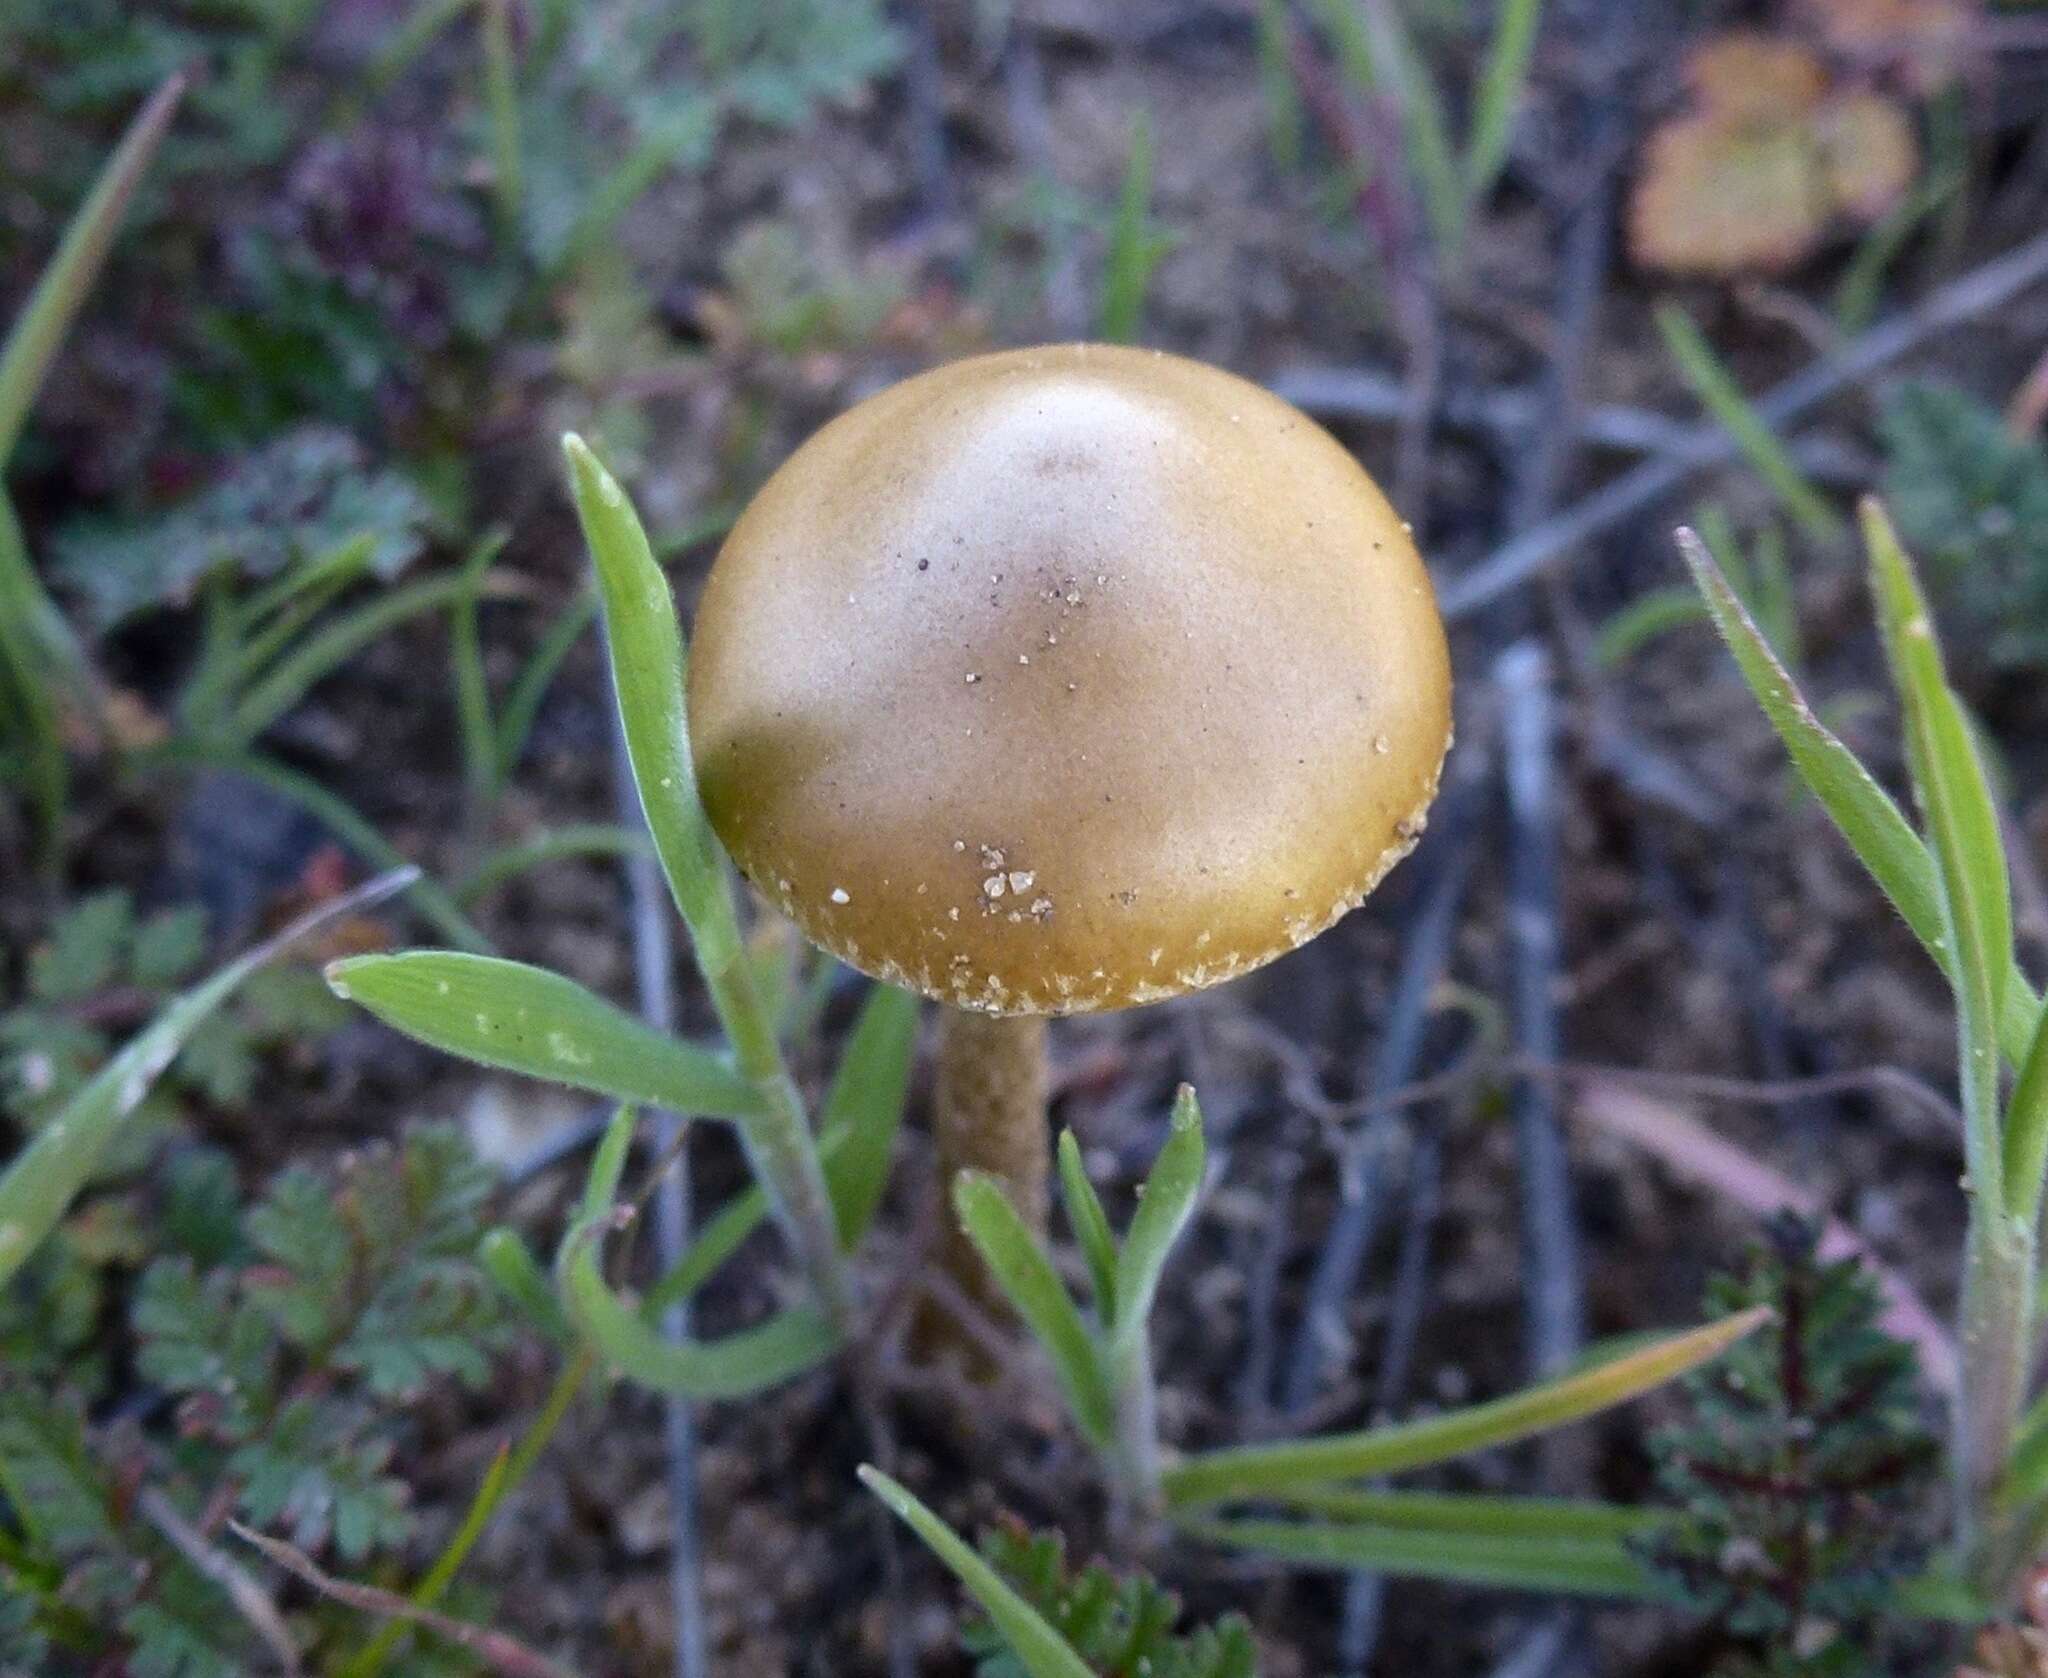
988, 1115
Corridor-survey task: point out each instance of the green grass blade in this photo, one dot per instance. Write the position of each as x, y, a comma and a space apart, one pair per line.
241, 644
318, 656
331, 572
1134, 249
649, 672
1038, 1649
527, 1020
60, 1158
1090, 1225
504, 1256
864, 1108
501, 100
582, 839
472, 687
2026, 1131
1247, 1471
1019, 1263
1964, 837
1468, 1512
1164, 1206
347, 824
1876, 829
1498, 101
863, 1113
1717, 390
1432, 163
39, 330
733, 1366
521, 709
1286, 122
1521, 1562
24, 677
1641, 621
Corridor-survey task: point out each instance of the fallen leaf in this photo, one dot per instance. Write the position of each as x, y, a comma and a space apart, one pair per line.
1766, 162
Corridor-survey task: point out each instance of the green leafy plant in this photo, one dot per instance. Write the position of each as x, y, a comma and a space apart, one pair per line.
1120, 1626
821, 1188
102, 964
1043, 1618
1383, 64
1972, 496
1801, 1473
1102, 1363
41, 662
1949, 883
283, 1340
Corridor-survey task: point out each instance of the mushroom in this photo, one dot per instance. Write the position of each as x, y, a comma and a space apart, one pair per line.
1064, 679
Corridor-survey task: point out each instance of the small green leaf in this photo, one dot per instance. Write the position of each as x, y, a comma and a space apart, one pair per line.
1019, 1263
1040, 1650
649, 674
1878, 832
60, 1158
1469, 1512
1164, 1205
2026, 1131
1090, 1224
1257, 1470
1522, 1562
1716, 388
528, 1020
864, 1109
734, 1366
1963, 834
37, 332
509, 1262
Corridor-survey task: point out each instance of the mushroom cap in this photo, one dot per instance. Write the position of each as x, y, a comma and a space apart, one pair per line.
1068, 678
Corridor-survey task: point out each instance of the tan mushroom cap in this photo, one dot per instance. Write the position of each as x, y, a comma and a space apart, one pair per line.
1068, 678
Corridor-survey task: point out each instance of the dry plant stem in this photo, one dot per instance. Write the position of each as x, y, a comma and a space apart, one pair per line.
988, 1115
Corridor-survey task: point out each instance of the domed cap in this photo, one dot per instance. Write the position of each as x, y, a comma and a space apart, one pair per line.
1068, 678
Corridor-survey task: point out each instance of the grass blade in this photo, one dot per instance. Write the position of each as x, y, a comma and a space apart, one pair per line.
1028, 1280
1090, 1225
1037, 1647
1431, 160
503, 1255
522, 704
863, 1110
501, 99
1499, 99
472, 688
731, 1367
649, 670
863, 1113
1134, 249
1521, 1561
1875, 827
33, 716
1468, 1512
2026, 1131
580, 839
60, 1158
1964, 837
1257, 1470
1165, 1204
1716, 388
318, 656
33, 341
527, 1020
341, 818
